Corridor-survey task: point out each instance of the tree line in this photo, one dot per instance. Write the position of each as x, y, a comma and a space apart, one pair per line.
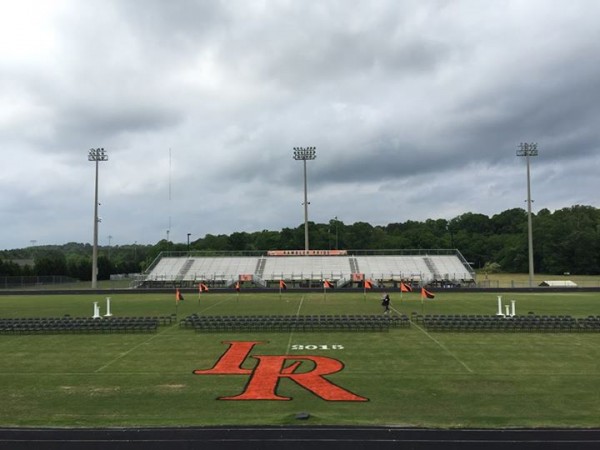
566, 240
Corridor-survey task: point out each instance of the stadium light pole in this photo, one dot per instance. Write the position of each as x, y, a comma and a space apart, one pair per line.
305, 154
96, 155
336, 232
528, 150
188, 243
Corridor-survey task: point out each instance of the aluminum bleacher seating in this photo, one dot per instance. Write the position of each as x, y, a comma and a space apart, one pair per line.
224, 269
307, 268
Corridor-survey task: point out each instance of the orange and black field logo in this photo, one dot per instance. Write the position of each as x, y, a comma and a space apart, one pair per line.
306, 371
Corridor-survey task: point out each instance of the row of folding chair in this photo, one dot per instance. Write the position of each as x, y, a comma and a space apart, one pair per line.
528, 323
420, 318
590, 323
294, 323
57, 325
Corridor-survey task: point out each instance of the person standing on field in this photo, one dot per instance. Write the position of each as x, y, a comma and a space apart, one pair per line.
385, 302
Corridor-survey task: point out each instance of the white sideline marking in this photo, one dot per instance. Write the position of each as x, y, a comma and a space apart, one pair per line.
442, 346
287, 351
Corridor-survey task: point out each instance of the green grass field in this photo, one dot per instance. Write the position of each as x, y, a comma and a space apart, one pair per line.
410, 376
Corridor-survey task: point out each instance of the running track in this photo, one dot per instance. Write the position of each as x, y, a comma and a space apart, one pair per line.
292, 438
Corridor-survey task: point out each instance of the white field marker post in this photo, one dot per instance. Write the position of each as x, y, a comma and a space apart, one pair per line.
96, 311
499, 306
507, 310
513, 308
108, 313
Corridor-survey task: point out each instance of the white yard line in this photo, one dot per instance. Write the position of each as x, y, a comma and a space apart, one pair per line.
215, 304
122, 355
442, 346
287, 351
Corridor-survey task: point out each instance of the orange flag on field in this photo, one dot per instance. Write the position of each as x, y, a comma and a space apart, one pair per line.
426, 294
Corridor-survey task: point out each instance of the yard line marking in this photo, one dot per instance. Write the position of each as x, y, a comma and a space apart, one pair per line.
442, 346
122, 355
216, 304
287, 351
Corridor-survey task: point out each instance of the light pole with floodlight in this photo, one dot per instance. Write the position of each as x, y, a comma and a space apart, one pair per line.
96, 155
528, 150
304, 154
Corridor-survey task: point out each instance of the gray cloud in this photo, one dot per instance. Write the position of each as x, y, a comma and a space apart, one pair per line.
416, 109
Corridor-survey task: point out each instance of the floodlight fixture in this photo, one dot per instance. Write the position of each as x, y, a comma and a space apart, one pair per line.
305, 154
529, 149
96, 155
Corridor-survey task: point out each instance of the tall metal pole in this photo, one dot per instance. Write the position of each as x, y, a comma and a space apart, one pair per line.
305, 210
96, 155
304, 154
95, 241
529, 224
528, 150
336, 232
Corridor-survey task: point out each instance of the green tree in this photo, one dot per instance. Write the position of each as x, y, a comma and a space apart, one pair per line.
359, 235
9, 269
50, 262
104, 268
292, 238
213, 243
566, 240
239, 241
510, 221
266, 240
79, 267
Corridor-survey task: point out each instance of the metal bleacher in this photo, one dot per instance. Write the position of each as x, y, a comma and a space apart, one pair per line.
307, 268
450, 267
423, 268
167, 268
394, 268
221, 269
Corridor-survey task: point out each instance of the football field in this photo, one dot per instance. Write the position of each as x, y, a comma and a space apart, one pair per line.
401, 377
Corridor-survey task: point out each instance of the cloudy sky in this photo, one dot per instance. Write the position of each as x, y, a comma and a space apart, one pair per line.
416, 109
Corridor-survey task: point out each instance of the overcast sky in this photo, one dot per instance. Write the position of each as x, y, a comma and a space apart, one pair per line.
416, 109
